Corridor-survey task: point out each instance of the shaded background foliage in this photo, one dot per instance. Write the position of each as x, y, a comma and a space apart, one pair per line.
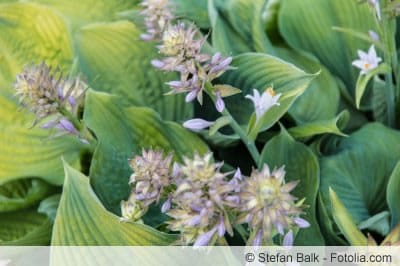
323, 140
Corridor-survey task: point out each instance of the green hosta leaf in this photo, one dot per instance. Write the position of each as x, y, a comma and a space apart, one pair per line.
379, 106
261, 71
82, 220
24, 228
393, 195
31, 33
360, 170
378, 223
193, 10
115, 60
345, 222
237, 26
88, 11
363, 80
300, 164
28, 152
20, 194
133, 128
331, 126
49, 206
315, 34
321, 99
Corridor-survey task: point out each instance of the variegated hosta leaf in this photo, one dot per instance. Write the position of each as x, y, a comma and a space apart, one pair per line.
28, 152
82, 220
122, 133
115, 60
31, 33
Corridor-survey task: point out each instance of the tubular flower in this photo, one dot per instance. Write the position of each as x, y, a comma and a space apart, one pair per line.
201, 201
264, 102
182, 48
152, 173
44, 94
157, 14
268, 207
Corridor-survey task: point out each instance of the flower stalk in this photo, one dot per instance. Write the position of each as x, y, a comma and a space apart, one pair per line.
250, 144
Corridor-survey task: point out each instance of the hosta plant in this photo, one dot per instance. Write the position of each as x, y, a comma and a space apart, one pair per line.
182, 122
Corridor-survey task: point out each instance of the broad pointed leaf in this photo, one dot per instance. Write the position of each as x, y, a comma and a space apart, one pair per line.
300, 164
82, 220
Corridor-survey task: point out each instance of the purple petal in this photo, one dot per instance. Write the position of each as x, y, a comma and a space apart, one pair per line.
238, 174
197, 124
257, 239
301, 222
373, 35
191, 95
49, 125
72, 101
219, 104
166, 206
157, 63
204, 239
279, 228
66, 125
175, 170
221, 227
288, 239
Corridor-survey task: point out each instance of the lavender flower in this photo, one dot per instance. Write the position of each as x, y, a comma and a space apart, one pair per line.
151, 175
201, 202
264, 102
373, 35
157, 16
268, 207
182, 48
368, 61
46, 94
197, 124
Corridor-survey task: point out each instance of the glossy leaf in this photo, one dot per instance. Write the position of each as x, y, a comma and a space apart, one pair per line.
21, 194
115, 60
300, 164
335, 50
133, 128
82, 220
261, 71
49, 206
393, 196
237, 26
360, 169
193, 10
321, 99
321, 127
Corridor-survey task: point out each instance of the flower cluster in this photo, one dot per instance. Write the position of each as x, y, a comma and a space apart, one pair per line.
201, 202
151, 174
157, 15
183, 54
46, 94
268, 207
204, 203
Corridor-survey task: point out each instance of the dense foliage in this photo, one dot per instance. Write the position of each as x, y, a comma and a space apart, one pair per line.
235, 122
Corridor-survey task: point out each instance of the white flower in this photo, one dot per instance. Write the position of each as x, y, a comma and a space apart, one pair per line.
367, 62
264, 102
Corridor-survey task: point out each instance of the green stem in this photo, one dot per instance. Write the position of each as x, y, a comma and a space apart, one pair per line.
251, 146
